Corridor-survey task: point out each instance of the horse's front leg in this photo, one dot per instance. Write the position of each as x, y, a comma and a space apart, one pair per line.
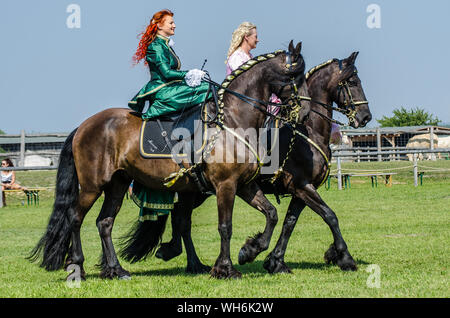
223, 268
274, 262
338, 252
253, 195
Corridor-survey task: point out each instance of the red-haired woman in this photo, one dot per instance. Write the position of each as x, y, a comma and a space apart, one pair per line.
169, 89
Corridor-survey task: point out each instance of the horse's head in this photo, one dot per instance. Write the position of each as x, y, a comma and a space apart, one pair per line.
348, 93
287, 79
288, 66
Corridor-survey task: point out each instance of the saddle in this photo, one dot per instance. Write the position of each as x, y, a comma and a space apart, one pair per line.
172, 135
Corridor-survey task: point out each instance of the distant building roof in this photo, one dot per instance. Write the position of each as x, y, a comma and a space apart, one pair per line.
33, 138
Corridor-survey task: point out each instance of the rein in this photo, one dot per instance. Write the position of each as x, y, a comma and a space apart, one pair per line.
349, 111
294, 102
254, 102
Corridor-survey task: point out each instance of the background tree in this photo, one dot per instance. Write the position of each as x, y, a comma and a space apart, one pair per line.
404, 117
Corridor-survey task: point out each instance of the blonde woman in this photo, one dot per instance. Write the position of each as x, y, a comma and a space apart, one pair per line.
243, 40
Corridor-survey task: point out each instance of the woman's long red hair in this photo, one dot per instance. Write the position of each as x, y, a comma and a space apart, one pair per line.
149, 35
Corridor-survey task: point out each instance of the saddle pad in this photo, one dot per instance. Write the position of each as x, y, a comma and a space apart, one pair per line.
157, 140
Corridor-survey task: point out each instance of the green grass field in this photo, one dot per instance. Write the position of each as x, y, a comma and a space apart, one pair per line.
404, 230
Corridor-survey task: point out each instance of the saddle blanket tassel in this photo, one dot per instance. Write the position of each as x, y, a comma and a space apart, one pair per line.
173, 177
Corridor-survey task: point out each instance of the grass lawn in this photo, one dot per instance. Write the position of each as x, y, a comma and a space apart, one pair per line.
403, 230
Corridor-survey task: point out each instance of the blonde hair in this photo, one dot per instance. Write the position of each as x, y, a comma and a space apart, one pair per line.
245, 28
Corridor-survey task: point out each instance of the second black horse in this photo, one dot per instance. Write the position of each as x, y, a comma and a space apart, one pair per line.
306, 155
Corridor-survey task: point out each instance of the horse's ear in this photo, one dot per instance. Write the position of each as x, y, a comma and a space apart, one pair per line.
298, 48
352, 58
291, 46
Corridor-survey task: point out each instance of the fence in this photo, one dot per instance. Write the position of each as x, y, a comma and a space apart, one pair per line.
368, 153
363, 143
19, 147
414, 152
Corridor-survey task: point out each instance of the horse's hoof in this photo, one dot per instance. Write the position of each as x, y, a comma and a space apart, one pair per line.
166, 252
225, 273
346, 263
198, 269
274, 265
247, 253
242, 257
115, 272
125, 277
344, 260
331, 255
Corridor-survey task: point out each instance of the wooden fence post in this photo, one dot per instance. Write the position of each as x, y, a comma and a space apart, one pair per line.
433, 156
416, 183
22, 148
339, 173
379, 142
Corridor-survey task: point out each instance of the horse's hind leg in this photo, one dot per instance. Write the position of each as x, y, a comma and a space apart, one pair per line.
338, 252
75, 254
274, 262
253, 195
183, 216
174, 247
114, 194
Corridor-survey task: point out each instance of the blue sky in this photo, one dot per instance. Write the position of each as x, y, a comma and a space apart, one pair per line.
54, 77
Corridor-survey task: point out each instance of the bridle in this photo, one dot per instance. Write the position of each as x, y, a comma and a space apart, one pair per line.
349, 110
218, 91
349, 104
293, 102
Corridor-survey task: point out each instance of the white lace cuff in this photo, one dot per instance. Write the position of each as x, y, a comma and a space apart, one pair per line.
194, 77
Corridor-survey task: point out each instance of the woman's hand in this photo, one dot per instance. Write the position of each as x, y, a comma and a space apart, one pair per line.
194, 77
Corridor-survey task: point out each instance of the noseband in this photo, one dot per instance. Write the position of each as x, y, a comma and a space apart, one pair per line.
349, 104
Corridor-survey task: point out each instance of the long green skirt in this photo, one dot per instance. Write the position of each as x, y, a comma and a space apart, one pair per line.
152, 203
172, 98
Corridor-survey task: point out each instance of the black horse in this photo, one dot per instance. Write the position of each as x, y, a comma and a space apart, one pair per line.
102, 156
333, 81
306, 155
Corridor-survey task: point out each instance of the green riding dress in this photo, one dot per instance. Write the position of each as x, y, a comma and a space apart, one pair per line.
167, 92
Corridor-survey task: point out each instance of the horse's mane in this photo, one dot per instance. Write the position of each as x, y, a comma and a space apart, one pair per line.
239, 71
318, 67
248, 65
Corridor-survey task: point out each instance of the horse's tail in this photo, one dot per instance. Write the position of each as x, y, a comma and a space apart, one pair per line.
54, 244
142, 240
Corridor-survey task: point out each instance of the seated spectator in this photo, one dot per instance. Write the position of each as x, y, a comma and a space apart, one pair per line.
8, 178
